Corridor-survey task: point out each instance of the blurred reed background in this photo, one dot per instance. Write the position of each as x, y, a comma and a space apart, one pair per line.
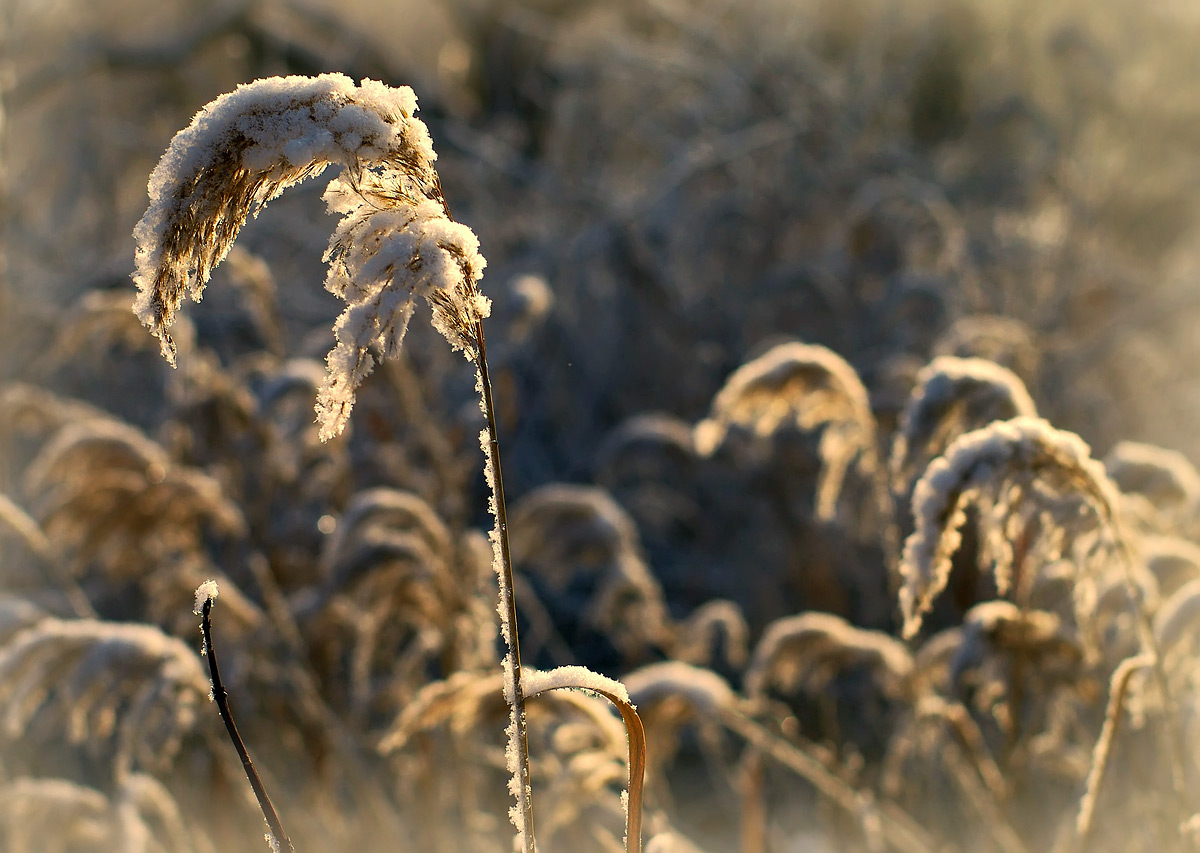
739, 253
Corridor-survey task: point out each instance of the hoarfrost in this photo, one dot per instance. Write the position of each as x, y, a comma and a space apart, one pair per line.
206, 592
576, 677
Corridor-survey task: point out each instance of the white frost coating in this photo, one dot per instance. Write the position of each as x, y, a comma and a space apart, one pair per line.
206, 592
535, 681
272, 842
395, 241
978, 460
706, 692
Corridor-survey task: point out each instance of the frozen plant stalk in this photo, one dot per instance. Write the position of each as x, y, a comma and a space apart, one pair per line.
395, 241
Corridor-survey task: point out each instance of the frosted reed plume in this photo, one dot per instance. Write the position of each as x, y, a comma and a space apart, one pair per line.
564, 534
54, 814
993, 466
802, 386
952, 396
811, 649
717, 626
395, 240
996, 338
1177, 622
109, 491
1171, 560
67, 668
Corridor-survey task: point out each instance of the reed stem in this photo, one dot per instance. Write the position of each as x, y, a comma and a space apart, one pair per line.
507, 592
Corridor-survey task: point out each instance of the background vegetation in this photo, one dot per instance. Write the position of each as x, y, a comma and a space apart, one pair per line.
665, 190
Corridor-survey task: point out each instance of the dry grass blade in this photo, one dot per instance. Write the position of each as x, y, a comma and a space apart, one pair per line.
1118, 689
710, 698
581, 678
898, 828
444, 744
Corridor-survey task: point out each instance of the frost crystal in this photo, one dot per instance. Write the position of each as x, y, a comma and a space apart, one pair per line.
206, 592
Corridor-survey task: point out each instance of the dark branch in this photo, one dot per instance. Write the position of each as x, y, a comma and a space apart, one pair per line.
222, 700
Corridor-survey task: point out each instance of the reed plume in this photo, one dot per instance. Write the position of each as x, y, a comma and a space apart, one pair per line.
996, 466
952, 396
803, 387
65, 670
395, 240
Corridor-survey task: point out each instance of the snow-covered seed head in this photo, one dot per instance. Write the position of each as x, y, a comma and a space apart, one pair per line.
802, 387
952, 396
811, 649
395, 241
994, 466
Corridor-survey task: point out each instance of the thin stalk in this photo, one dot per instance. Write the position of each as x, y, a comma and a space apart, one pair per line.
507, 589
1118, 690
1151, 645
900, 830
222, 700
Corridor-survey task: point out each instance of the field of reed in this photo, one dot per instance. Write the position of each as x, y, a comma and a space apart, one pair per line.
839, 376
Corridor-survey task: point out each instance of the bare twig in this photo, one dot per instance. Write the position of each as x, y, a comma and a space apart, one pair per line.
278, 838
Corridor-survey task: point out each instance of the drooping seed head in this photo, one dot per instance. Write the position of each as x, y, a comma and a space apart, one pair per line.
396, 240
995, 466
